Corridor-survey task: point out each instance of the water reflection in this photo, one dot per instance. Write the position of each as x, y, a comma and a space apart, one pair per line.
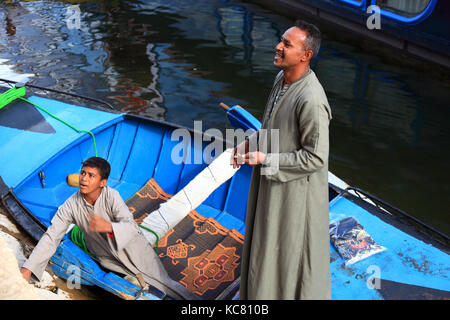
176, 60
8, 71
370, 101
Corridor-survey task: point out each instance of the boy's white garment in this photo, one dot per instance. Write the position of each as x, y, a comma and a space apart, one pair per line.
190, 197
127, 252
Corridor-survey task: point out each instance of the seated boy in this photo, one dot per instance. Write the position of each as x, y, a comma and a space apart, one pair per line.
111, 234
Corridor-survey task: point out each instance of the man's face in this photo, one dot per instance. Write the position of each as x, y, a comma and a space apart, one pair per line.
290, 51
91, 180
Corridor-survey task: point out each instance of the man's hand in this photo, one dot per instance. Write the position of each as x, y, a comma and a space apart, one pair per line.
254, 158
26, 274
237, 156
98, 224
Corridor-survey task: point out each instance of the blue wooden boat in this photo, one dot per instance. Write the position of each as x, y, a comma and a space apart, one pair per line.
416, 27
38, 152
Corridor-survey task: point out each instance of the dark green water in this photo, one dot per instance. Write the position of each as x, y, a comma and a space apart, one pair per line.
176, 60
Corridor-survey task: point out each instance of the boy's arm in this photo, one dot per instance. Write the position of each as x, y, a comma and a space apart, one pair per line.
46, 247
123, 225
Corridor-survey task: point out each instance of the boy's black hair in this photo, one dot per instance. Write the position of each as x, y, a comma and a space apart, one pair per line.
313, 38
101, 164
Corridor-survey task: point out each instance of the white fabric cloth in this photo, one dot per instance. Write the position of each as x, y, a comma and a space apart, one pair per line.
171, 212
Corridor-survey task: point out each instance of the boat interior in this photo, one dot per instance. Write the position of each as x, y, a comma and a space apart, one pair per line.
137, 151
140, 151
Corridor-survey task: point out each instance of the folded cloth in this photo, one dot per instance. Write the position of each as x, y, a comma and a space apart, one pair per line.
171, 212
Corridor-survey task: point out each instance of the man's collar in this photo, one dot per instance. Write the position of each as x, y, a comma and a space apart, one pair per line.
283, 82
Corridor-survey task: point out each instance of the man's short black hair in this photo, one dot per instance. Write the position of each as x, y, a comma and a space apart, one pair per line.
101, 164
313, 38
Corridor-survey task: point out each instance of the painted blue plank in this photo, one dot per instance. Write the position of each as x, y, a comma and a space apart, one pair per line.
48, 197
126, 189
207, 211
191, 168
236, 203
229, 221
144, 155
167, 171
242, 229
44, 214
68, 255
120, 148
103, 140
218, 197
69, 259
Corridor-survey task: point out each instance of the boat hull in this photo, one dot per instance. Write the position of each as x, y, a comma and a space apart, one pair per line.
139, 148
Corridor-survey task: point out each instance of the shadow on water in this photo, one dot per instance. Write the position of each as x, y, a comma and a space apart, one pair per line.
176, 60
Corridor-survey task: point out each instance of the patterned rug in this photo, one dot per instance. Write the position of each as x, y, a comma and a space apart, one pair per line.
199, 253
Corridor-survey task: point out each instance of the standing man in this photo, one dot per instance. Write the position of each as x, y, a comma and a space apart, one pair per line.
286, 249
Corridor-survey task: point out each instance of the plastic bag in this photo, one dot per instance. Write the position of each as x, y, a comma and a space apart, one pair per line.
352, 241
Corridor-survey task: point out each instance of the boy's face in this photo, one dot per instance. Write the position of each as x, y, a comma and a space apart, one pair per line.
91, 180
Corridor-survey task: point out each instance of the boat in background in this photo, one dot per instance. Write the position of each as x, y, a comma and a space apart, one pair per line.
416, 27
38, 152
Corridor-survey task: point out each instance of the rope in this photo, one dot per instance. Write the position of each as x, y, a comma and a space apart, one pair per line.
67, 124
77, 237
59, 91
154, 233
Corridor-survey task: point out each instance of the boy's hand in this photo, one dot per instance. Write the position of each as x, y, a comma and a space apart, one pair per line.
26, 274
98, 224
